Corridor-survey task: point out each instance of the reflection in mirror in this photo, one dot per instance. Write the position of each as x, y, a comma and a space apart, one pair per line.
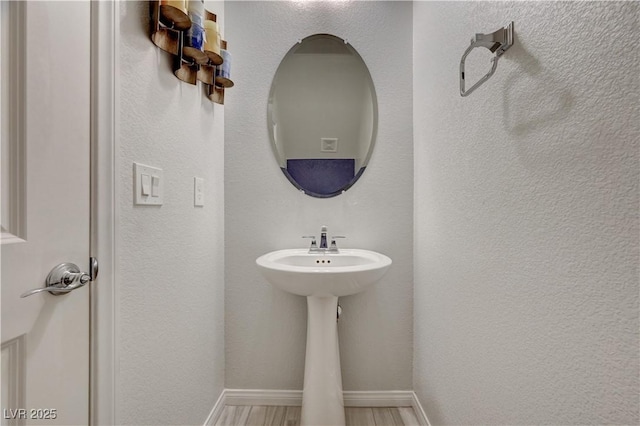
322, 115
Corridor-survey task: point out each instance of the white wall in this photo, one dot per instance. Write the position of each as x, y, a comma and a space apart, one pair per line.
265, 327
526, 216
170, 258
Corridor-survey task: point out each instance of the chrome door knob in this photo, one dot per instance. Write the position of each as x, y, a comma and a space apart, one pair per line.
64, 278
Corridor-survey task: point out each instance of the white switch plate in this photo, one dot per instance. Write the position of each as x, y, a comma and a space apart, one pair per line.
155, 196
198, 192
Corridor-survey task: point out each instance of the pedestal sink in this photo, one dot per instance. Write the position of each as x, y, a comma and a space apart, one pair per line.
322, 277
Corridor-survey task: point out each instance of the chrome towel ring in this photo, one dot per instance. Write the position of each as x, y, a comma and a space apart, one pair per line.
497, 42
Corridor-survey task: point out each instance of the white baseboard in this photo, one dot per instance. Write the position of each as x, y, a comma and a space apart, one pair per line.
294, 398
377, 398
216, 411
263, 397
417, 408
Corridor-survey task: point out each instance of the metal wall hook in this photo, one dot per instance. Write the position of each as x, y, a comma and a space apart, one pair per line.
497, 42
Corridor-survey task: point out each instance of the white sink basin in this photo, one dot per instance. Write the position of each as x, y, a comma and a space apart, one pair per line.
323, 274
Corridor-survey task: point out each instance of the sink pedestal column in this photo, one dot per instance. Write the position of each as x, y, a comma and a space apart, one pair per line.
322, 402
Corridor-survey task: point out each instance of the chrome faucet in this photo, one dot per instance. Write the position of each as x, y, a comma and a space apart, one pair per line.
323, 247
323, 237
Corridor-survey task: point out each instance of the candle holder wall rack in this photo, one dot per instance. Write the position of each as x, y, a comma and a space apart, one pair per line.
209, 64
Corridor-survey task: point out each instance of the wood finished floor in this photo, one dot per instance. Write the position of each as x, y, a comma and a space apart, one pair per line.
261, 415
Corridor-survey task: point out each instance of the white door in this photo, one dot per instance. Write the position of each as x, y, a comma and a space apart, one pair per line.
45, 210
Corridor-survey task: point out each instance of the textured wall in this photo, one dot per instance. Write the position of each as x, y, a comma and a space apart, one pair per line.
170, 258
526, 220
265, 327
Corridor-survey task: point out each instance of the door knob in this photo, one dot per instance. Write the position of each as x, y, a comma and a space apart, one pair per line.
64, 278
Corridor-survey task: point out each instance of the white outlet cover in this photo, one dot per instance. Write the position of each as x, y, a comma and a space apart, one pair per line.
329, 144
156, 197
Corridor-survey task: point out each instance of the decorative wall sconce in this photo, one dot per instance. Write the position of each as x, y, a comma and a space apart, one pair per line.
190, 33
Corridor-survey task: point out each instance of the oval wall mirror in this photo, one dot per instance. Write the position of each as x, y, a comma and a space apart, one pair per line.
322, 115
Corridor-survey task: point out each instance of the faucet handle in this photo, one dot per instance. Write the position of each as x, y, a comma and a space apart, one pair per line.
334, 246
314, 244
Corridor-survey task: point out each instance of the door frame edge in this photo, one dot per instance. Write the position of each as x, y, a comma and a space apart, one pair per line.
104, 27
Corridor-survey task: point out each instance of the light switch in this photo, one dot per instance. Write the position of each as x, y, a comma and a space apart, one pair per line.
155, 186
148, 185
198, 192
